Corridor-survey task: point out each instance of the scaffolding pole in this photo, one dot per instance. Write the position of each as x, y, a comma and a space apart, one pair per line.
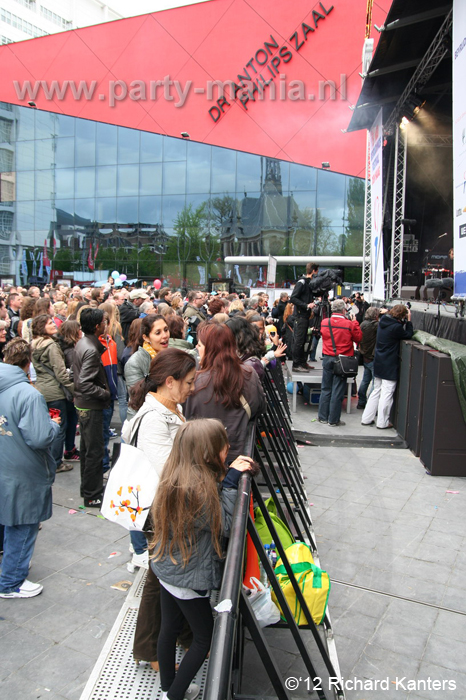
399, 190
367, 242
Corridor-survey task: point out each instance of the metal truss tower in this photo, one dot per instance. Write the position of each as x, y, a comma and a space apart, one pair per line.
367, 247
399, 189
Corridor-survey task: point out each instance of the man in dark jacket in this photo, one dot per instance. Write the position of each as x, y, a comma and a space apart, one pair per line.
279, 310
91, 396
303, 299
394, 327
367, 349
128, 312
14, 306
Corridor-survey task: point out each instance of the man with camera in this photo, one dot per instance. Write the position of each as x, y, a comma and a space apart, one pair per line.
339, 333
303, 299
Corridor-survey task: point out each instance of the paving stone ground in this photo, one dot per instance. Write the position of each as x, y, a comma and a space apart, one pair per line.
391, 537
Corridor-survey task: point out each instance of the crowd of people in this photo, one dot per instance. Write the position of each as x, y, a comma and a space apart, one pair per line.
186, 372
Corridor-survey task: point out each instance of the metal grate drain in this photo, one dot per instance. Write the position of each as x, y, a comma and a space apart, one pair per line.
115, 675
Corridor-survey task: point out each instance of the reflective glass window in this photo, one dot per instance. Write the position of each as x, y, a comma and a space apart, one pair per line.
127, 180
65, 212
64, 153
44, 214
172, 209
25, 155
106, 181
151, 147
105, 209
45, 125
150, 210
128, 145
44, 154
106, 144
25, 216
174, 149
248, 173
64, 126
25, 185
127, 210
64, 183
198, 168
331, 196
85, 143
84, 209
25, 124
302, 177
84, 184
223, 170
150, 179
174, 178
44, 184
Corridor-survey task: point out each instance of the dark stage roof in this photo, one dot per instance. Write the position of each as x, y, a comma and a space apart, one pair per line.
408, 33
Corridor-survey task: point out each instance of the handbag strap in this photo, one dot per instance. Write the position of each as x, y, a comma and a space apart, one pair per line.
333, 339
246, 406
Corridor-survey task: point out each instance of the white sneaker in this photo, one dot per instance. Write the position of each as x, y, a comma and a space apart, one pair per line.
139, 561
26, 590
192, 692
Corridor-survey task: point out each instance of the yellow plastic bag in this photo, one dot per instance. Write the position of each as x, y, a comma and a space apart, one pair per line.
314, 584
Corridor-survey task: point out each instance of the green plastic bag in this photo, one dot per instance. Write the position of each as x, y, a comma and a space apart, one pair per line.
283, 531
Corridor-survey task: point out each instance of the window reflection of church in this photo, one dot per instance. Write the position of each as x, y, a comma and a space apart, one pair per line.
270, 224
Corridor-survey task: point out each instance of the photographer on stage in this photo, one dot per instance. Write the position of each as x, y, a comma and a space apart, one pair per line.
303, 299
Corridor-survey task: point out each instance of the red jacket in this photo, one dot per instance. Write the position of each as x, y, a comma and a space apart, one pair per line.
345, 333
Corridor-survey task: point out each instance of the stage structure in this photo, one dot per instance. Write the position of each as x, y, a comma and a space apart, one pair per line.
410, 67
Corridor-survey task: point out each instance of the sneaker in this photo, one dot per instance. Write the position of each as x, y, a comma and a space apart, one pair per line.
192, 692
385, 427
298, 369
138, 561
26, 590
308, 366
112, 433
321, 420
71, 455
93, 502
340, 422
64, 467
360, 408
371, 423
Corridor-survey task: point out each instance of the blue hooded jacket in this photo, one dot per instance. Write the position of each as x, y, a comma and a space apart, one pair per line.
27, 469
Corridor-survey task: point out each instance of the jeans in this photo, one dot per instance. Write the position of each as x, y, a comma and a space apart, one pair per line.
107, 419
91, 452
199, 615
301, 324
71, 423
59, 443
122, 398
314, 344
139, 542
366, 380
18, 546
332, 392
380, 402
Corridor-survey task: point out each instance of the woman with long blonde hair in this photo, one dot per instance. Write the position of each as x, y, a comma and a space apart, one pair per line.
192, 512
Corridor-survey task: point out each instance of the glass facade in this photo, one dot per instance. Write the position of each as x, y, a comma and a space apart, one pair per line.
87, 198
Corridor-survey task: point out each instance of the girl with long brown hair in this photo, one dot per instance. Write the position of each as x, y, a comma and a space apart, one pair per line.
225, 388
190, 519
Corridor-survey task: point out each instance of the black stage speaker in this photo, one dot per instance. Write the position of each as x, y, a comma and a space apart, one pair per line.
403, 388
443, 440
416, 397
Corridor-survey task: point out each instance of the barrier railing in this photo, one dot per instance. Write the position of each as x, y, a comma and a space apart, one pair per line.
274, 448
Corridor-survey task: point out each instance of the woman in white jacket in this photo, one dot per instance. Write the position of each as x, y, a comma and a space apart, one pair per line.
157, 399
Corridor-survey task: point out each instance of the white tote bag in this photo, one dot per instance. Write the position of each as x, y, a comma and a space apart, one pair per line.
130, 488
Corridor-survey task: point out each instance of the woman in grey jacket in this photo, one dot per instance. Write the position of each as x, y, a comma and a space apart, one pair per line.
190, 520
153, 337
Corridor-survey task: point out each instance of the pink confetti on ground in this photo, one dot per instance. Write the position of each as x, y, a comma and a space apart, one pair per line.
72, 511
451, 491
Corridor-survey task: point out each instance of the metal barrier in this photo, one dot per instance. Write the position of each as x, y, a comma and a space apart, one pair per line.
280, 479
